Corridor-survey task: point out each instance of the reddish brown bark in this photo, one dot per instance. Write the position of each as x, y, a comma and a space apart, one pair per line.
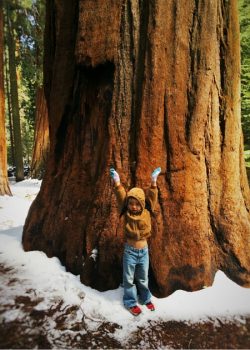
41, 137
4, 184
158, 85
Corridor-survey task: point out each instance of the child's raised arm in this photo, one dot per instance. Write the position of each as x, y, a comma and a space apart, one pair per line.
154, 176
119, 189
115, 176
152, 193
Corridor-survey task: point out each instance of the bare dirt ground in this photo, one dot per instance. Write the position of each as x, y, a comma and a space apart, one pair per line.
53, 328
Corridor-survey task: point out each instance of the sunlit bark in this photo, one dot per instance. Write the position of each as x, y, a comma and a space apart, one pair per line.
41, 138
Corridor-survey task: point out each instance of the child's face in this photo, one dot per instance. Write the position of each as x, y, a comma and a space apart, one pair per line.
134, 206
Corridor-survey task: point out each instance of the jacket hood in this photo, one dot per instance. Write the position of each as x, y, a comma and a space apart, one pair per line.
138, 194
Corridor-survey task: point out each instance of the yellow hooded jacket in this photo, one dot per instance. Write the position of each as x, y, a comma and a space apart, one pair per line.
137, 227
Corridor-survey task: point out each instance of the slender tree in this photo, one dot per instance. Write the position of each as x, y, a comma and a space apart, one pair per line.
14, 98
4, 184
10, 119
28, 24
159, 85
41, 139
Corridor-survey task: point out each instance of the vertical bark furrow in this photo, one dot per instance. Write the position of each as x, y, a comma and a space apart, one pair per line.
203, 64
123, 97
167, 145
223, 45
138, 84
193, 54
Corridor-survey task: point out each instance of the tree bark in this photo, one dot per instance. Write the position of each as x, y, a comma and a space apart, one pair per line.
14, 101
4, 183
7, 84
41, 137
159, 85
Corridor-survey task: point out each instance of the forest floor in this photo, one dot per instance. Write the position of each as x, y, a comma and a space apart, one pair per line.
44, 306
31, 328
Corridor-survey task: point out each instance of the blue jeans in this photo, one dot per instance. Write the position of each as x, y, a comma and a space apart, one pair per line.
135, 276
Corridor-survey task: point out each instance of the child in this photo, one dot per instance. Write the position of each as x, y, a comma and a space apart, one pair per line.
137, 230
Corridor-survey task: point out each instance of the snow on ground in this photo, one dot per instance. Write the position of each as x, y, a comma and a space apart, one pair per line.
47, 279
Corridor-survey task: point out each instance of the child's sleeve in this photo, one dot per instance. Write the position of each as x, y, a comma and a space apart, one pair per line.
152, 196
120, 194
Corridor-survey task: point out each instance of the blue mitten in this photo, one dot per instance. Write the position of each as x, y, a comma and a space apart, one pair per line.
155, 174
114, 174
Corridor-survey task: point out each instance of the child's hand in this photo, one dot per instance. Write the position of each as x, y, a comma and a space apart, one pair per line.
115, 176
155, 174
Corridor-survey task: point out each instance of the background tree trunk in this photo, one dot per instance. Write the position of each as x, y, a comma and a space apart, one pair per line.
4, 184
159, 85
41, 137
7, 85
18, 150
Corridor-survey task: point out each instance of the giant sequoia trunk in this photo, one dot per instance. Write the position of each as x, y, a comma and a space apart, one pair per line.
135, 85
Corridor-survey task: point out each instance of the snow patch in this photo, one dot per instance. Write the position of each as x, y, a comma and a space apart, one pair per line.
43, 278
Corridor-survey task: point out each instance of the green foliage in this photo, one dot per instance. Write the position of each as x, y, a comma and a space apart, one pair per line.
247, 158
29, 25
28, 18
244, 10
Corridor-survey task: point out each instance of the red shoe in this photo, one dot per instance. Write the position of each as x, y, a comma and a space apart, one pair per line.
134, 310
150, 306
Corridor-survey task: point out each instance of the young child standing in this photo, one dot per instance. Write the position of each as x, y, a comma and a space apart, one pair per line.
137, 229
